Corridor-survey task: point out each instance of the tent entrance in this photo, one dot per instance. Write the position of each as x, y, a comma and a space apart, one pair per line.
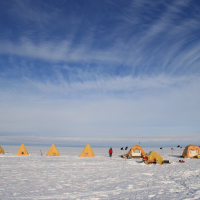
193, 153
136, 153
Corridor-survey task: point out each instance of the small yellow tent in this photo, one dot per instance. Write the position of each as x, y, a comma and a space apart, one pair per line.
22, 150
1, 150
53, 151
191, 151
136, 151
154, 157
87, 152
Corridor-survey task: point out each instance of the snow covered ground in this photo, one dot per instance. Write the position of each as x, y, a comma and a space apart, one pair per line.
101, 177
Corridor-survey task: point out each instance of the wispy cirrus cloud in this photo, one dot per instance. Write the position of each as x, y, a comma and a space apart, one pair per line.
161, 45
161, 59
115, 86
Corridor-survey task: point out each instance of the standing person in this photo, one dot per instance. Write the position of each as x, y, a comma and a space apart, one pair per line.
41, 153
110, 152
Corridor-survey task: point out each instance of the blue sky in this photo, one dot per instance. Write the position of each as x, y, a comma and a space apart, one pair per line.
111, 73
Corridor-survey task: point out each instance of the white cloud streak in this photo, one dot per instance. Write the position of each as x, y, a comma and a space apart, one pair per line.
151, 141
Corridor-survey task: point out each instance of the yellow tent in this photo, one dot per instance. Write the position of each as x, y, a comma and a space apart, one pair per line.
154, 157
87, 152
22, 150
53, 151
1, 150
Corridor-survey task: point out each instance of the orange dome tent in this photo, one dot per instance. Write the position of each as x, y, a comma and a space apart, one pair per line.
191, 151
136, 152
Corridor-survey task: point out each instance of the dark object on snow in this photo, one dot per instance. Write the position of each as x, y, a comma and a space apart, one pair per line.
160, 147
178, 146
166, 161
126, 148
181, 161
122, 148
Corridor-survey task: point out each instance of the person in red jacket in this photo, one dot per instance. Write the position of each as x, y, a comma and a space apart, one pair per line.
110, 152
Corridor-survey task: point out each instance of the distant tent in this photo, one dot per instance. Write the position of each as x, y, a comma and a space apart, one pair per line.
22, 150
1, 150
191, 151
136, 151
87, 152
154, 157
53, 151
